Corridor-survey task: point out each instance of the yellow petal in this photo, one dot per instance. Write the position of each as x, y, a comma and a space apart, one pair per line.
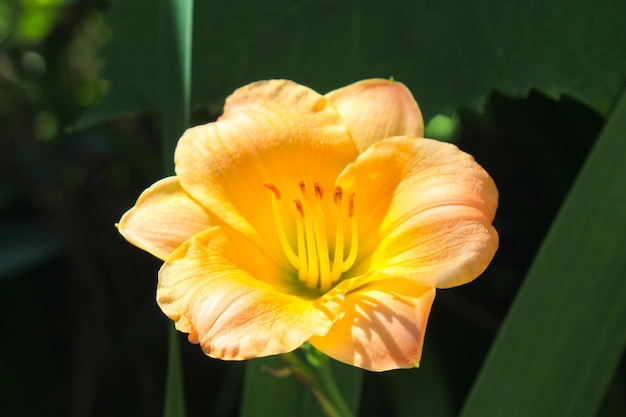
377, 109
271, 131
384, 324
424, 209
236, 302
163, 217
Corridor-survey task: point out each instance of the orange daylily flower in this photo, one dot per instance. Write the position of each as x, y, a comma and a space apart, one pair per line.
302, 217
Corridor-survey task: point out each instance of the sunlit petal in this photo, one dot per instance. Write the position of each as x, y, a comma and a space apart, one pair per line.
384, 324
426, 208
236, 302
163, 217
377, 109
275, 131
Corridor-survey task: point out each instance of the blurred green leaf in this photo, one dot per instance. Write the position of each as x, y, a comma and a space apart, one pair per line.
265, 394
565, 333
450, 53
36, 18
132, 59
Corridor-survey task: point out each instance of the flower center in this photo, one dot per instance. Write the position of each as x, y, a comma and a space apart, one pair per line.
312, 258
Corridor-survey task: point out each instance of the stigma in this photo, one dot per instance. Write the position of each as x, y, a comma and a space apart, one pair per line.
312, 255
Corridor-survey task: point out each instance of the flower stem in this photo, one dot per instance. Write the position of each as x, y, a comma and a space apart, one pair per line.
331, 389
317, 375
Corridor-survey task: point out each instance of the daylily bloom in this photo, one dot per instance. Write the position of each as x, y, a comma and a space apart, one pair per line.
302, 217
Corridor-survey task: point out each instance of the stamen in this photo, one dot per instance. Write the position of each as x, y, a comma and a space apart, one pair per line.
302, 271
282, 236
312, 257
311, 251
320, 238
338, 257
354, 242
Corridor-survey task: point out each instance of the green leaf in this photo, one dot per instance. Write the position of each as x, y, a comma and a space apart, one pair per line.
174, 70
174, 390
565, 333
265, 394
174, 75
450, 53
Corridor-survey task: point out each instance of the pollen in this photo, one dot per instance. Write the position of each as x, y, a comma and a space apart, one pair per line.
317, 268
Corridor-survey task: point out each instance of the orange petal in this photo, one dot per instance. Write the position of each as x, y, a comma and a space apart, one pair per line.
377, 109
383, 326
424, 209
236, 302
271, 131
163, 217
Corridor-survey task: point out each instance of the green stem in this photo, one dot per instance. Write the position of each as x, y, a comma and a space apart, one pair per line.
320, 380
331, 389
174, 388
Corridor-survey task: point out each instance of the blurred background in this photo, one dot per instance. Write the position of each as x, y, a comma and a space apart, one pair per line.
81, 334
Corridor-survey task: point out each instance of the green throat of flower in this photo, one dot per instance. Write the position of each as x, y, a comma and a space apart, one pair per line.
312, 258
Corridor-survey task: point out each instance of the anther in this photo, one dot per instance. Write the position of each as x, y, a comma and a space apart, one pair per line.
299, 207
337, 195
319, 191
302, 262
272, 188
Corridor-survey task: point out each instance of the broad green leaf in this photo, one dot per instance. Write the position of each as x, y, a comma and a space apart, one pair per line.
566, 332
450, 53
265, 394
